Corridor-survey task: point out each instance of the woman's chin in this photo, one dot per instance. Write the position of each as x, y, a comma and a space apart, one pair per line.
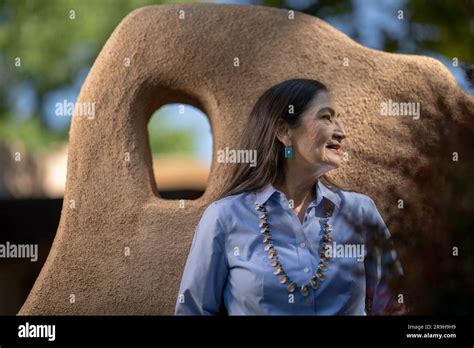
334, 163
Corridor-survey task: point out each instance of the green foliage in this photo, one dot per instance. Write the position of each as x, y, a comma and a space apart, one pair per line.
54, 44
30, 133
451, 21
165, 140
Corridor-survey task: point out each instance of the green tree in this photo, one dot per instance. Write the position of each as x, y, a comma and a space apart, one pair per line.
54, 40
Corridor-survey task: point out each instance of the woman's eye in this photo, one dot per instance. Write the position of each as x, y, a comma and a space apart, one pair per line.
327, 116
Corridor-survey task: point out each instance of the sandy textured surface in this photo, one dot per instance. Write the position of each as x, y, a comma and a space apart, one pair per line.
191, 60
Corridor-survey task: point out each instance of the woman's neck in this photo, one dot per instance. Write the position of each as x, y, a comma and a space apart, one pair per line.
298, 184
298, 191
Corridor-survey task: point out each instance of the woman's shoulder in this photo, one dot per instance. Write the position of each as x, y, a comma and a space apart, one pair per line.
227, 212
355, 197
356, 203
363, 208
346, 196
229, 204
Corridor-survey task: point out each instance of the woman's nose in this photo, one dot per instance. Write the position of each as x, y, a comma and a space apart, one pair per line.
339, 132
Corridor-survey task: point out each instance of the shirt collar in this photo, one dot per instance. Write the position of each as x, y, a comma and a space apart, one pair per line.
321, 191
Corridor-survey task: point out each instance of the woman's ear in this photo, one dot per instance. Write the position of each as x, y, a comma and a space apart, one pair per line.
283, 132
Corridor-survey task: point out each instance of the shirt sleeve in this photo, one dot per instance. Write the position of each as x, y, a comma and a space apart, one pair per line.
383, 268
206, 269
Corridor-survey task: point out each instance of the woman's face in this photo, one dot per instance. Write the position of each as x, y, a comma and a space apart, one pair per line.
317, 140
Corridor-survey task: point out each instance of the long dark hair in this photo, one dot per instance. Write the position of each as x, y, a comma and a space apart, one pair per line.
260, 134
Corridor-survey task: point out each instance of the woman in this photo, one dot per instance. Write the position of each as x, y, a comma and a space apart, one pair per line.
283, 238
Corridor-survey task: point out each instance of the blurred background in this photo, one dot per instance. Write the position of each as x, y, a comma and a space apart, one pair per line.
48, 47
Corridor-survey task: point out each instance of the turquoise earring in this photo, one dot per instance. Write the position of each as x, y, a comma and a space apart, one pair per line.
288, 152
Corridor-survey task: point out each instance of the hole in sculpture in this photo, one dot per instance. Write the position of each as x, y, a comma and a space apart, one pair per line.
181, 146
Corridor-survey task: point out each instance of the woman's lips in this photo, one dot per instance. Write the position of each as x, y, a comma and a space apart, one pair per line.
334, 147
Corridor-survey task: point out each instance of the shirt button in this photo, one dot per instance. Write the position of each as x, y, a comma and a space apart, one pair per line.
306, 270
302, 245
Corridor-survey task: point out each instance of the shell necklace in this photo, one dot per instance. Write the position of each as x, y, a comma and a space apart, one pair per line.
279, 271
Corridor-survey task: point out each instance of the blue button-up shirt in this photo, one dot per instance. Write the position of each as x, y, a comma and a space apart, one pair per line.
227, 261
